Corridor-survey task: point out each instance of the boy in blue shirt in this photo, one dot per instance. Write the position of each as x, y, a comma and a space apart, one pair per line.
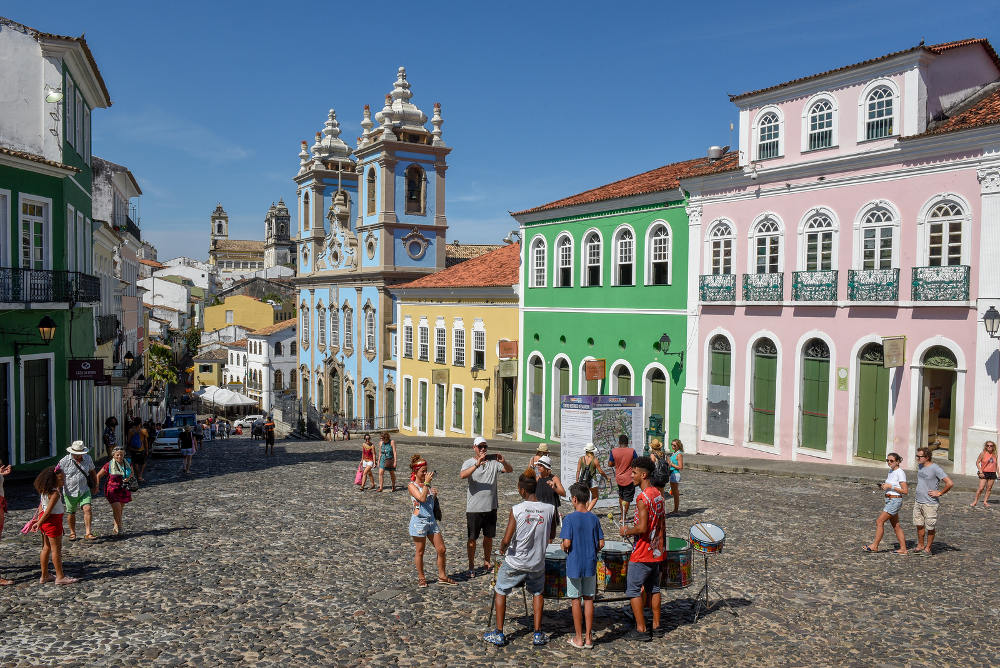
582, 539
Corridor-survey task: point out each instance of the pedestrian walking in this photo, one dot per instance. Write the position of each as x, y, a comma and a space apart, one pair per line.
109, 438
367, 462
582, 539
81, 483
116, 492
587, 469
482, 471
541, 451
423, 523
986, 462
135, 443
642, 580
928, 499
621, 460
186, 441
257, 431
213, 430
895, 488
327, 429
199, 435
147, 433
269, 437
549, 488
529, 530
49, 522
5, 470
387, 460
676, 461
347, 430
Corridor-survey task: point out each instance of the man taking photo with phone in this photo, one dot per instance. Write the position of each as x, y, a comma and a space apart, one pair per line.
482, 471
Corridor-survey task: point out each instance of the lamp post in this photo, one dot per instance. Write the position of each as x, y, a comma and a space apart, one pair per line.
46, 331
991, 321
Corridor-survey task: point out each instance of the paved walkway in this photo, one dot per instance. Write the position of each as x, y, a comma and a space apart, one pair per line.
281, 561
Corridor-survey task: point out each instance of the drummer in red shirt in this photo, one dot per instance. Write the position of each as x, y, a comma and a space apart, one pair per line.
649, 550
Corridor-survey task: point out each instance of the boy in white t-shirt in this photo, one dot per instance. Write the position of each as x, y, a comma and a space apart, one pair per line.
894, 488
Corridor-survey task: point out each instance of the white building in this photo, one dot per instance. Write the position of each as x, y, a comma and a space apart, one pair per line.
271, 362
222, 337
107, 327
234, 373
202, 278
167, 300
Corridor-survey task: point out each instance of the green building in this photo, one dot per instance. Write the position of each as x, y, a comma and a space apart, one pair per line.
605, 277
47, 286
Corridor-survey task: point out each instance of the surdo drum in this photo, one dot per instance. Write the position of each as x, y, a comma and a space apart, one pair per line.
612, 565
675, 571
555, 572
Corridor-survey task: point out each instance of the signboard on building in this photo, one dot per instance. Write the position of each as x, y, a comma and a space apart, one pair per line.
508, 368
439, 376
893, 351
508, 349
594, 369
86, 369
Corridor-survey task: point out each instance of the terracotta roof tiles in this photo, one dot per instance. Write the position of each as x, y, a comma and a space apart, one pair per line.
153, 263
237, 245
276, 327
24, 155
214, 355
499, 268
984, 112
456, 253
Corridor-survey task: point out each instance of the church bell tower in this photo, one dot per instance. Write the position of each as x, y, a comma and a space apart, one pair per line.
220, 223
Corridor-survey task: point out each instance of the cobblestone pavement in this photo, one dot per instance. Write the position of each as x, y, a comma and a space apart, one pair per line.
281, 561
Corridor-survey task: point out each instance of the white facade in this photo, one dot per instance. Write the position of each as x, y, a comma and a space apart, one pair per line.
161, 293
271, 362
235, 370
199, 277
221, 337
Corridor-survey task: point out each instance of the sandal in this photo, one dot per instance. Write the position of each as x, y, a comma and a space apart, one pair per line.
90, 536
422, 583
446, 581
867, 548
72, 536
572, 641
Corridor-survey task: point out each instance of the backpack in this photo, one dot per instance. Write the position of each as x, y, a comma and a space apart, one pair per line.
661, 474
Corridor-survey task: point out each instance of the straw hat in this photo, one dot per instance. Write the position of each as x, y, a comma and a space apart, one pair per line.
655, 444
77, 448
542, 447
589, 448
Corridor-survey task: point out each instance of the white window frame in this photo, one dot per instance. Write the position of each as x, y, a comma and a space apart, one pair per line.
458, 343
857, 261
924, 222
348, 327
440, 342
79, 122
807, 121
460, 429
756, 232
70, 105
428, 418
648, 248
407, 339
555, 400
304, 324
712, 236
472, 418
406, 412
563, 241
5, 235
538, 265
529, 377
798, 390
614, 377
71, 238
897, 111
706, 376
320, 325
755, 135
370, 330
748, 378
432, 425
617, 251
86, 134
334, 327
478, 331
585, 258
423, 342
804, 231
46, 202
51, 357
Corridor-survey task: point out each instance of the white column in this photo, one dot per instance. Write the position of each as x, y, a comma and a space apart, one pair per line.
688, 427
987, 368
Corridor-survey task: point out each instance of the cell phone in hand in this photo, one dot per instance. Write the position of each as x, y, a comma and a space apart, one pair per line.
491, 457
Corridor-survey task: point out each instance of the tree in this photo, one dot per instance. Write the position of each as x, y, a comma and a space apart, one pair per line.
160, 361
193, 338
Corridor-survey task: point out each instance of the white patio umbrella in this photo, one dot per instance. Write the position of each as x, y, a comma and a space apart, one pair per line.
229, 398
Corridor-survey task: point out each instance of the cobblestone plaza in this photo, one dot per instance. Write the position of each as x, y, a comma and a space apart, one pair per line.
281, 561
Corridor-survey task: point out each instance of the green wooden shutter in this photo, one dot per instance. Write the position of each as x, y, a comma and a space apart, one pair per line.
815, 398
873, 404
764, 370
457, 409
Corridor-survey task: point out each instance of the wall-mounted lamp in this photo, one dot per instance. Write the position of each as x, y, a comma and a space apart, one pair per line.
665, 346
991, 321
46, 331
53, 95
509, 239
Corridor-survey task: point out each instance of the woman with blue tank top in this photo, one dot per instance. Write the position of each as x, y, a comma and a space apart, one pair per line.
676, 465
422, 522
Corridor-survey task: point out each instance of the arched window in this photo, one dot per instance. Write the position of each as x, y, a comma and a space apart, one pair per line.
538, 269
718, 397
560, 387
320, 326
244, 360
218, 228
277, 349
819, 246
767, 246
592, 259
564, 261
277, 380
658, 255
304, 324
763, 391
348, 327
944, 235
877, 232
814, 405
304, 394
821, 125
721, 249
768, 134
370, 330
305, 211
370, 193
415, 189
623, 380
291, 348
625, 257
535, 387
334, 327
879, 113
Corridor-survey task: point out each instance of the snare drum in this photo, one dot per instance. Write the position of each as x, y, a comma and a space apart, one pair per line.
612, 565
707, 538
675, 571
555, 572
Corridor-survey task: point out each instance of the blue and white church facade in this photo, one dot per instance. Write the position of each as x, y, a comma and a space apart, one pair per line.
368, 218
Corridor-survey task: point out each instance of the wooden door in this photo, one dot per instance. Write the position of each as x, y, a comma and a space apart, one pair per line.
873, 404
36, 409
815, 398
507, 409
762, 404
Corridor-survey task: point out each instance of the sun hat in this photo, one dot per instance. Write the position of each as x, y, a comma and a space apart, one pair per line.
655, 444
542, 447
589, 448
479, 441
77, 448
544, 461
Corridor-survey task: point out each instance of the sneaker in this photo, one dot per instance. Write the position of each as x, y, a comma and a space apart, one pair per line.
637, 635
495, 637
539, 639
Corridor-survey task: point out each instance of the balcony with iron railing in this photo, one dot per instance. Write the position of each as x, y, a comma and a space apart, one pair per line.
873, 285
814, 286
48, 285
107, 328
717, 287
764, 287
941, 284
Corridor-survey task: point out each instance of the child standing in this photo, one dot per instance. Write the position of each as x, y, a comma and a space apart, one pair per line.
367, 462
582, 539
49, 484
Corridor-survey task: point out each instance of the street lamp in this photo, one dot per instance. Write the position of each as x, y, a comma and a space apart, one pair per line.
665, 346
991, 320
46, 331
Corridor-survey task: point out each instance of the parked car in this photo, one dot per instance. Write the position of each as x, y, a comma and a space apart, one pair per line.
167, 442
185, 418
246, 422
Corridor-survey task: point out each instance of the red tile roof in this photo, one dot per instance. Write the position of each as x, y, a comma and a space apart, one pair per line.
499, 268
24, 155
660, 179
152, 263
934, 48
276, 327
984, 112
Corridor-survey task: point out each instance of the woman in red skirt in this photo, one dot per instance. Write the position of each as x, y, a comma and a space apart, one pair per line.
117, 493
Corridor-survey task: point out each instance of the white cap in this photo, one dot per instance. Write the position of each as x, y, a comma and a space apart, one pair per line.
589, 448
545, 461
479, 441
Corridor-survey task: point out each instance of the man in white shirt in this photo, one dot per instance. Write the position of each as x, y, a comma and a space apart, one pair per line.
79, 469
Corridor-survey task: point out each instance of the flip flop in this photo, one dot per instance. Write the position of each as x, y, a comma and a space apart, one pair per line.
572, 641
67, 581
422, 584
90, 536
4, 583
868, 548
447, 581
72, 536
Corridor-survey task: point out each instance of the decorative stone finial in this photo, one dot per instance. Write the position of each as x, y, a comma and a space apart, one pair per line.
399, 111
437, 121
367, 124
317, 145
331, 146
303, 157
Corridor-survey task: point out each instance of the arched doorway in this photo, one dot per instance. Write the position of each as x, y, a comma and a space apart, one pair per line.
873, 403
938, 392
334, 385
320, 399
560, 387
814, 406
654, 398
349, 402
763, 391
535, 394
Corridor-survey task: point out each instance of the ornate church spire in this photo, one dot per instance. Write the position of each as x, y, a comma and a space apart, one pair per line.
331, 146
398, 110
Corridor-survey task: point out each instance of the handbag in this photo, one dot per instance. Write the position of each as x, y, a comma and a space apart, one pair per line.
91, 477
437, 509
359, 476
132, 484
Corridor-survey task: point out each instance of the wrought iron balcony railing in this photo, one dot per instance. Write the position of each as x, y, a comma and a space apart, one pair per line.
717, 287
764, 287
814, 286
107, 328
48, 285
127, 371
941, 284
873, 285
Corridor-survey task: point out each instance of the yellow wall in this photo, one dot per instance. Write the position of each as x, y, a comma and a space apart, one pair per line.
247, 311
205, 378
500, 321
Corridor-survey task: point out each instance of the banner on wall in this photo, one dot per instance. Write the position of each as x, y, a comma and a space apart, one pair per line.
599, 420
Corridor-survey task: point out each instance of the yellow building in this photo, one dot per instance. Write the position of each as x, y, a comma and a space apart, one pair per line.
242, 310
208, 368
457, 349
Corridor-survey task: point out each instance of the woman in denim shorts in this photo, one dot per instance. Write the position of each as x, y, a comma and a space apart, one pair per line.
422, 522
894, 488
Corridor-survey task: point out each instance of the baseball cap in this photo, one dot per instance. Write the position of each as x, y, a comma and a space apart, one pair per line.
479, 441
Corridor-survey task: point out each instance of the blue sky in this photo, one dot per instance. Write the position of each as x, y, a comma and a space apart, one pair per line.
540, 99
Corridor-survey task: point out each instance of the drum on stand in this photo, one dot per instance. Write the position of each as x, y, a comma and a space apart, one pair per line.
555, 572
612, 565
675, 571
707, 538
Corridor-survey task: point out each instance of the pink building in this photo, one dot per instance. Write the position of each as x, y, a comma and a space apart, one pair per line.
865, 201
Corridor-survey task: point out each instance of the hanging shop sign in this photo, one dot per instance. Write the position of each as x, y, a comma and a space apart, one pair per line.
86, 369
508, 349
594, 369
